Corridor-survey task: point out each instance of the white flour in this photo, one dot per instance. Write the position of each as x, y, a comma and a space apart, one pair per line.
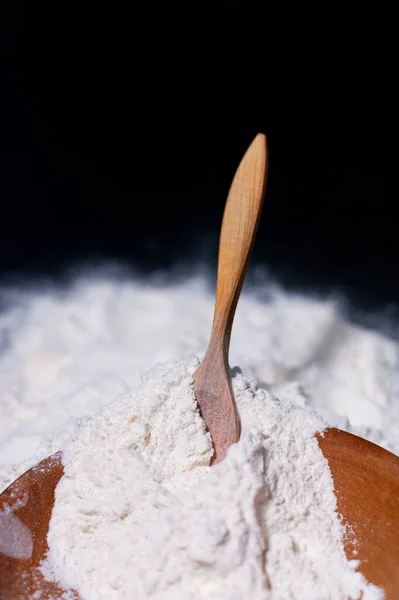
139, 513
66, 355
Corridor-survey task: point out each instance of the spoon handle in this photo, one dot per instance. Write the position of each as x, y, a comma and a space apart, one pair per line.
212, 383
239, 225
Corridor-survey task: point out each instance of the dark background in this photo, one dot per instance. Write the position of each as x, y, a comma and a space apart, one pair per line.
122, 126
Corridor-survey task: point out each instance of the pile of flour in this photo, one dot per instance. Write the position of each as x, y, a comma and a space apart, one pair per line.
139, 513
66, 353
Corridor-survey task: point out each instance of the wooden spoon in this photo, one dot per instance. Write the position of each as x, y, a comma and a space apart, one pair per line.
366, 477
212, 382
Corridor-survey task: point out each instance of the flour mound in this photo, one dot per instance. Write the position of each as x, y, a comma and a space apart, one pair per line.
65, 354
140, 514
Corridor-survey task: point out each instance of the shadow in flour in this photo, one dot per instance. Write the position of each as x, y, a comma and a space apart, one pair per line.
260, 503
261, 500
235, 371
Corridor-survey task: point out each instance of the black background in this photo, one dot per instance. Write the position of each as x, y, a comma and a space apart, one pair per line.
122, 126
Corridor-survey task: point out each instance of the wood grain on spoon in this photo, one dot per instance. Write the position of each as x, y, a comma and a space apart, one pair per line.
212, 384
